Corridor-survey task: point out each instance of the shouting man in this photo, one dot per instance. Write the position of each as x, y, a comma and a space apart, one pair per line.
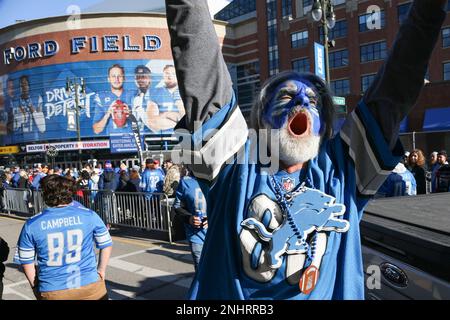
290, 230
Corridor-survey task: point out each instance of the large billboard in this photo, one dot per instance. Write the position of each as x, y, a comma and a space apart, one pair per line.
41, 103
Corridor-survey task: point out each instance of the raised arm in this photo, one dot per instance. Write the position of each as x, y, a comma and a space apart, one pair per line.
398, 83
203, 78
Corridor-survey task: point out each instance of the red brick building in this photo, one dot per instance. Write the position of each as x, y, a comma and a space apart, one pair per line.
265, 37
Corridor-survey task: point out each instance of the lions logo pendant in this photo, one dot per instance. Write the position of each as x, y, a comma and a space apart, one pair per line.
296, 239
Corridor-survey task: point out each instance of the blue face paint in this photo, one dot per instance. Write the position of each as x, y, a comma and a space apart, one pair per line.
286, 97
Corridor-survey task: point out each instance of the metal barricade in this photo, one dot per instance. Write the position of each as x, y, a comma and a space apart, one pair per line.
18, 201
149, 211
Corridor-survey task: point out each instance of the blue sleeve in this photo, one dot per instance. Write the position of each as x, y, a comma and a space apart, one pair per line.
102, 237
179, 195
25, 247
100, 182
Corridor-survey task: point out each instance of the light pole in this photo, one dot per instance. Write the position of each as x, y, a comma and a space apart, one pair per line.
322, 11
73, 86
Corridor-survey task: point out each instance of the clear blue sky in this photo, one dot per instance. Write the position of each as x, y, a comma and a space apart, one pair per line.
12, 10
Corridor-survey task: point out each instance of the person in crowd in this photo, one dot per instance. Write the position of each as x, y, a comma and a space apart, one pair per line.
432, 161
16, 177
442, 179
135, 179
172, 178
400, 182
24, 182
289, 229
82, 191
190, 203
108, 179
61, 239
416, 164
39, 173
152, 177
4, 253
405, 159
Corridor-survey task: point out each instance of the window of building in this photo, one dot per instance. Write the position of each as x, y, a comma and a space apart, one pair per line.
301, 65
402, 11
307, 5
236, 9
248, 84
271, 9
286, 7
299, 39
371, 21
366, 81
447, 71
338, 59
339, 31
340, 87
446, 37
373, 51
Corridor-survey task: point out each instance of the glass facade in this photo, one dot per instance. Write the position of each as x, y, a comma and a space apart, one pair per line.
301, 65
373, 51
271, 9
299, 39
447, 71
371, 21
248, 84
402, 11
286, 7
236, 9
366, 81
340, 87
339, 31
446, 37
338, 59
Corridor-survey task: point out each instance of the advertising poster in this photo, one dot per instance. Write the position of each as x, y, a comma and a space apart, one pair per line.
35, 105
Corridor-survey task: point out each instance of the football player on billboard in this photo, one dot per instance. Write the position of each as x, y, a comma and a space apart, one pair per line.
29, 117
288, 227
111, 107
169, 107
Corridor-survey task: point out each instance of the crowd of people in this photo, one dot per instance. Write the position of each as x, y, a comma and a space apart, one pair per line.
412, 175
153, 178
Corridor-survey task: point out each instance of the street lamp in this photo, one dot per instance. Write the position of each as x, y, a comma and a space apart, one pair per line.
322, 11
75, 86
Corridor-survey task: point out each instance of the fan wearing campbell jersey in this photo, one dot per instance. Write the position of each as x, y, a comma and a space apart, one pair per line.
61, 241
111, 107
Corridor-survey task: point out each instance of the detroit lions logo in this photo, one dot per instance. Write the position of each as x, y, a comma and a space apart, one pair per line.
268, 234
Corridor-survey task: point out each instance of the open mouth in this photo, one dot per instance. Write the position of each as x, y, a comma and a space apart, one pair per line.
299, 124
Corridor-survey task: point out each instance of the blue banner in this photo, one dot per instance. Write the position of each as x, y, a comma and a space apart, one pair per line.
319, 58
36, 105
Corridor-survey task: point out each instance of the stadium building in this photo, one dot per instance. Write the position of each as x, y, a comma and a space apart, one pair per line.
66, 79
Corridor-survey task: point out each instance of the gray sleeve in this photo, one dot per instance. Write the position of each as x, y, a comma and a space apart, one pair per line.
398, 83
204, 81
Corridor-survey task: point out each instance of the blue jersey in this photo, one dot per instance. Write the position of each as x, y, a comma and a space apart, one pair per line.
28, 124
400, 182
102, 102
62, 241
190, 197
36, 184
267, 253
165, 99
152, 181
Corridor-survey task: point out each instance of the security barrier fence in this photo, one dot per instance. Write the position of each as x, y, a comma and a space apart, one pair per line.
129, 209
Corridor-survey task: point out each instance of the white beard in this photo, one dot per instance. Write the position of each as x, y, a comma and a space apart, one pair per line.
294, 150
